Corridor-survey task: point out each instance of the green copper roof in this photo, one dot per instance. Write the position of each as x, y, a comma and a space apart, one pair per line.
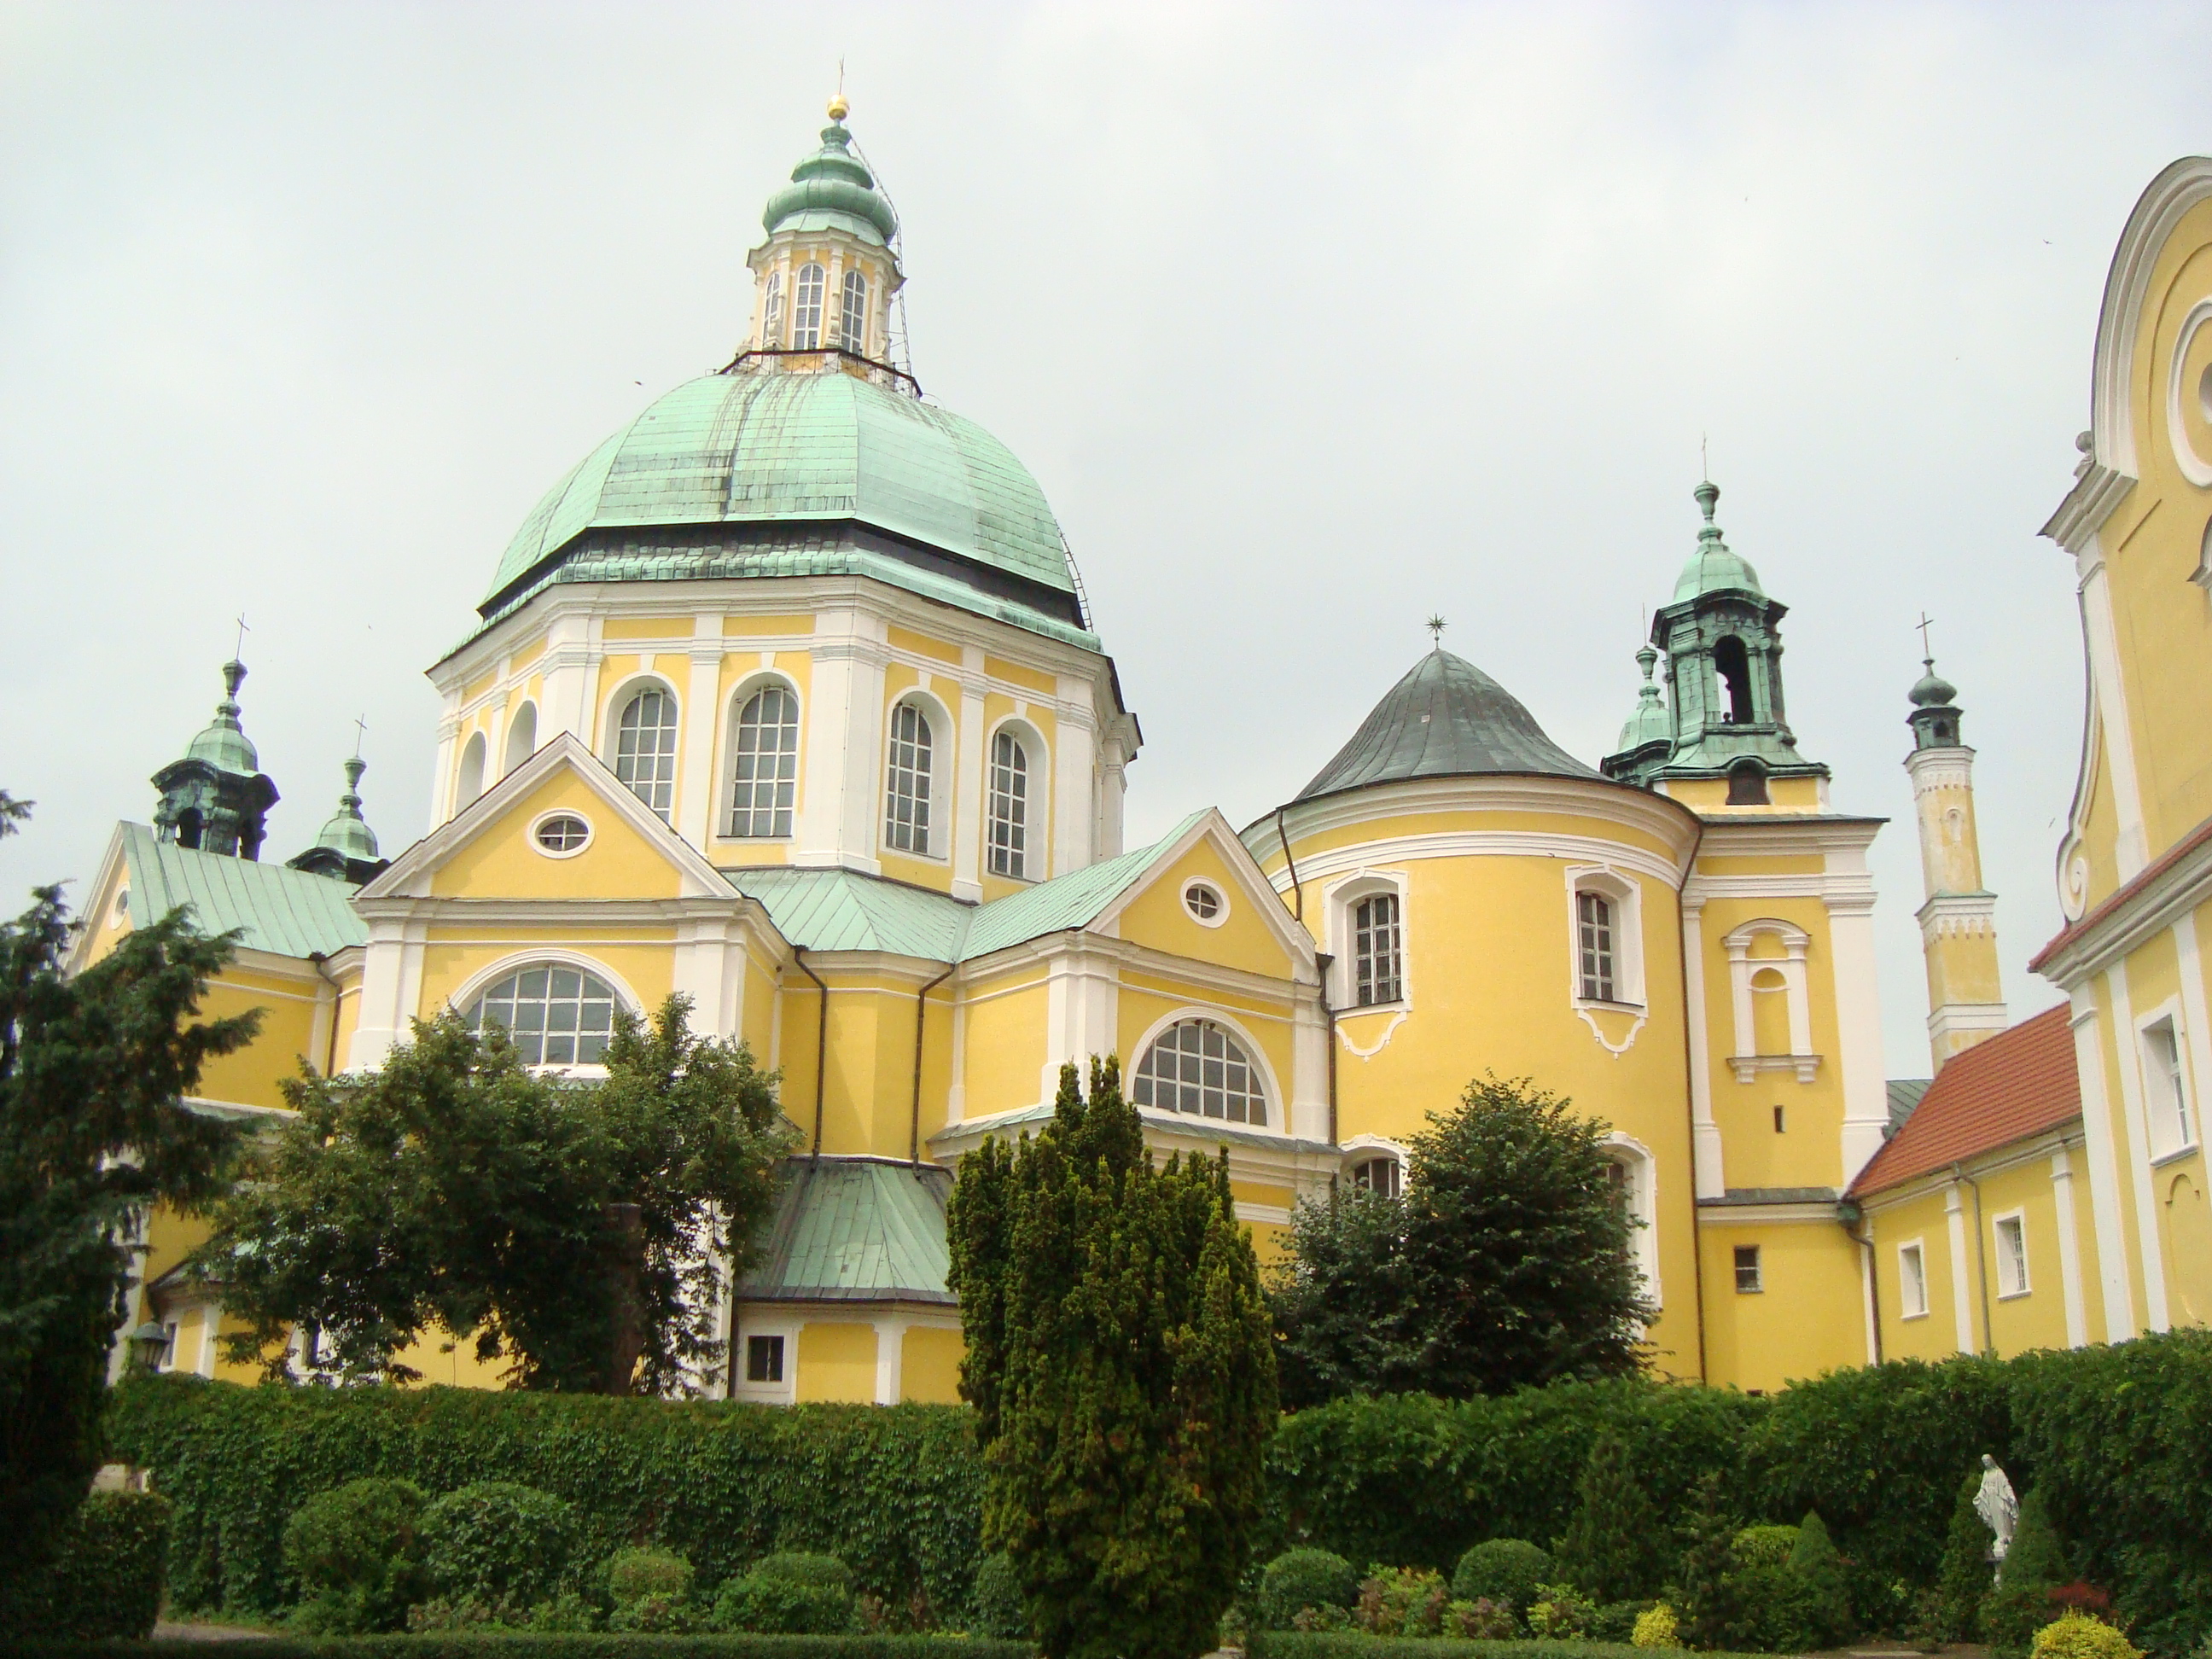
347, 831
1931, 690
1446, 718
830, 190
223, 744
854, 1229
845, 910
284, 911
1714, 567
1650, 721
762, 445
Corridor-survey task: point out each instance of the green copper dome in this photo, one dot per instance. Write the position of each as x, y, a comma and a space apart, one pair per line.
348, 832
1714, 567
830, 190
1446, 719
1651, 722
760, 445
1931, 690
224, 744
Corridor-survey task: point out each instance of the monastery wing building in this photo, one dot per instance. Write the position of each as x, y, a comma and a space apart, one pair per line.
787, 697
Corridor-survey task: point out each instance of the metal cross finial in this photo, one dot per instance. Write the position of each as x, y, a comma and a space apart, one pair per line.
242, 632
1436, 627
1705, 463
359, 731
1922, 626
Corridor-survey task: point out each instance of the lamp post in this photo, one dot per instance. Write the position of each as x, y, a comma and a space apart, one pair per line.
148, 1344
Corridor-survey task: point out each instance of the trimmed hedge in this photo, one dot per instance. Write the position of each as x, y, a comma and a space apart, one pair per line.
594, 1646
105, 1577
1358, 1644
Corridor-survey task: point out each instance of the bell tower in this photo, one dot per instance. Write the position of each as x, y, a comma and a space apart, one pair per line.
215, 799
1957, 922
823, 281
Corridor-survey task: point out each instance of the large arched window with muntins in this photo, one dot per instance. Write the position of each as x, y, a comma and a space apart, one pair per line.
1377, 975
852, 314
906, 800
764, 763
645, 749
1196, 1068
555, 1015
806, 313
1010, 806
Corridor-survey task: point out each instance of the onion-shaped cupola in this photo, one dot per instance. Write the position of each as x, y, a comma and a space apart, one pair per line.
1650, 723
215, 799
1934, 716
1715, 568
824, 280
833, 189
346, 847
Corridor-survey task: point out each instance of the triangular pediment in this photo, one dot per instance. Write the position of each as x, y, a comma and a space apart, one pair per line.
1251, 931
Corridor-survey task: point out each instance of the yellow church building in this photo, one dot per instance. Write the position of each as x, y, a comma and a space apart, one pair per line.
787, 697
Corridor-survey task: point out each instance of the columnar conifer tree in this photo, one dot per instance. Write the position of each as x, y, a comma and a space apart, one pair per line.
1612, 1551
1119, 1360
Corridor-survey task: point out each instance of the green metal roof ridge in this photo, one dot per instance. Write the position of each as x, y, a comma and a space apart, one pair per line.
280, 910
851, 1228
1073, 900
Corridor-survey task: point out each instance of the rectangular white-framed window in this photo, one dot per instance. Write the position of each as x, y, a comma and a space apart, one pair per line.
1008, 815
2010, 1232
765, 1352
1913, 1281
1749, 1277
2165, 1088
1375, 958
1605, 938
1594, 928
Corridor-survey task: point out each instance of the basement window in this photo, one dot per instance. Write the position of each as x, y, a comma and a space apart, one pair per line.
763, 1359
1748, 1280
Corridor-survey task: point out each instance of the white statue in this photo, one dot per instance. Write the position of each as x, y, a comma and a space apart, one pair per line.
1997, 1506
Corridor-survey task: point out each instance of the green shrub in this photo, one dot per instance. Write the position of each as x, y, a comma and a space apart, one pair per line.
1558, 1614
997, 1601
2077, 1636
1305, 1579
1656, 1627
105, 1579
357, 1554
1611, 1551
500, 1543
651, 1590
1764, 1545
1503, 1570
788, 1595
1615, 1621
480, 1644
1962, 1582
1482, 1620
1402, 1601
1817, 1566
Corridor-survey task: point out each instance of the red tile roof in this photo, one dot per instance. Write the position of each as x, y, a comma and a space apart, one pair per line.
2016, 1083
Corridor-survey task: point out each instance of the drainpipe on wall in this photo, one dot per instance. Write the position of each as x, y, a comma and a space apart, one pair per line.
820, 1044
1981, 1256
921, 1014
1324, 962
1853, 1215
1297, 888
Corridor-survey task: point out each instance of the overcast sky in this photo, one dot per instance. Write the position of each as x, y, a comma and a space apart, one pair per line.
1310, 321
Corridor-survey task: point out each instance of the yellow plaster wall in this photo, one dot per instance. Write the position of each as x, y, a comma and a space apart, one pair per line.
836, 1362
905, 639
1810, 1318
1934, 1335
751, 627
1156, 917
2186, 1237
1030, 679
250, 1077
648, 628
2037, 1319
500, 861
929, 1365
1003, 1046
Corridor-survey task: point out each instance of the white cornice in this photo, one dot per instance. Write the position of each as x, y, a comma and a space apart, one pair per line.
1483, 843
1668, 822
2141, 915
1996, 1160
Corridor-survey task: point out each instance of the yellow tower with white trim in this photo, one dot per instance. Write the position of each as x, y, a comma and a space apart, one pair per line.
1958, 923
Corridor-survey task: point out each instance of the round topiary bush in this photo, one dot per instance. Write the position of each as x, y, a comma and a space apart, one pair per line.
651, 1590
499, 1544
356, 1551
1657, 1627
1765, 1546
2077, 1636
1503, 1570
790, 1595
1305, 1579
997, 1600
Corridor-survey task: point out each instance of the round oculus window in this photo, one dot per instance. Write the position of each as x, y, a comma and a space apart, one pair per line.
1204, 902
561, 834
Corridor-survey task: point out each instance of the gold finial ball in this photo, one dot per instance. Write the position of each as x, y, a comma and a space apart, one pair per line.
839, 107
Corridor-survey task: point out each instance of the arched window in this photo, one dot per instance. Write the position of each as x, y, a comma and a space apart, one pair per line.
1746, 784
1010, 806
1383, 1176
472, 783
906, 805
189, 825
772, 312
1195, 1066
852, 321
1375, 955
806, 314
1594, 923
645, 749
1733, 663
765, 767
555, 1015
521, 736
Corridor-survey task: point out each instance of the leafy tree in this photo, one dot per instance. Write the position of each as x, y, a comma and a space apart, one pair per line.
1119, 1362
1962, 1580
580, 1229
93, 1135
1706, 1580
1611, 1551
1507, 1263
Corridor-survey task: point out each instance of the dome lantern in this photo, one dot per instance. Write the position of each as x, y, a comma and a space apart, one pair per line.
215, 799
346, 848
824, 280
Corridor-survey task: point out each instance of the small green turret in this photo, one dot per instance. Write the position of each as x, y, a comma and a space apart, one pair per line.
346, 847
1650, 723
832, 189
215, 799
1934, 716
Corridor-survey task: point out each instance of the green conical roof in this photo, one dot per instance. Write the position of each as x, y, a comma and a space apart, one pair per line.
1650, 721
1714, 567
1446, 718
831, 190
348, 832
224, 744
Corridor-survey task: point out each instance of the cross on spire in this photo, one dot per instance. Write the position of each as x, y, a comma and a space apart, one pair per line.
1926, 654
360, 732
243, 630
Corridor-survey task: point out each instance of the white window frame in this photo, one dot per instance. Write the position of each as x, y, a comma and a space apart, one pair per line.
2169, 1106
937, 828
1038, 778
1916, 1251
1747, 1061
1758, 1287
1344, 900
848, 306
772, 311
484, 978
783, 1325
1625, 895
591, 833
1271, 1097
2017, 1220
1627, 1151
740, 700
1220, 891
809, 313
610, 735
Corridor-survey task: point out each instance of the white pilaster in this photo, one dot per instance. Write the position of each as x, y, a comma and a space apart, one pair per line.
2099, 1146
1309, 1069
2138, 1122
1962, 1304
703, 721
2112, 703
1858, 1026
2070, 1248
968, 809
1705, 1133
